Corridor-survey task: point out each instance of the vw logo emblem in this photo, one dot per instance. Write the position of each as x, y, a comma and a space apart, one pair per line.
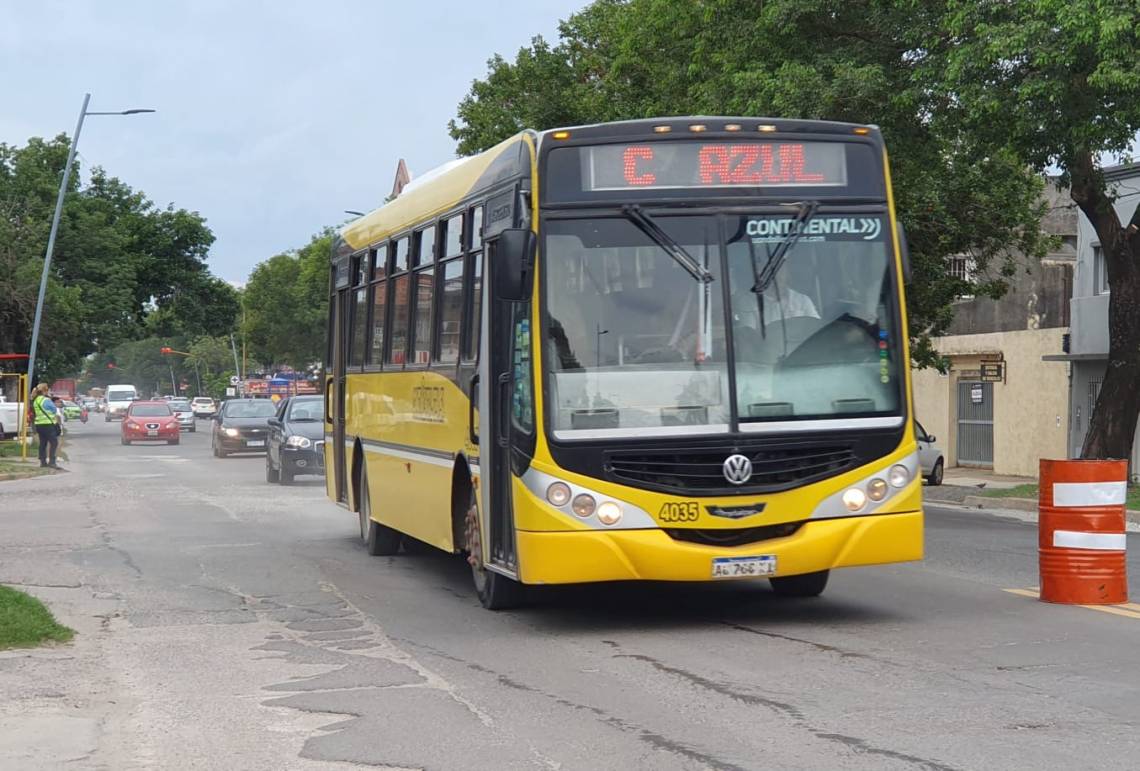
737, 469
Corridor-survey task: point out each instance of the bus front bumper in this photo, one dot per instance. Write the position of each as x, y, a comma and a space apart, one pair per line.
627, 555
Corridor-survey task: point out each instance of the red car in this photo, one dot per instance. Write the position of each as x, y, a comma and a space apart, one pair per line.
150, 422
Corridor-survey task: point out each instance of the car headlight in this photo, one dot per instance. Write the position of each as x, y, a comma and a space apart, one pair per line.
230, 431
299, 441
132, 424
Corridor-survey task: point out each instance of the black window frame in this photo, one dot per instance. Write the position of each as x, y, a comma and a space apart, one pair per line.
420, 265
381, 283
361, 271
394, 275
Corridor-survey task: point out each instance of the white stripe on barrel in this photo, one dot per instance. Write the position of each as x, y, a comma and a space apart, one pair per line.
1073, 494
1071, 539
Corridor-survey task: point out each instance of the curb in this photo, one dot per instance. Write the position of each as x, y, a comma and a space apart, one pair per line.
1024, 504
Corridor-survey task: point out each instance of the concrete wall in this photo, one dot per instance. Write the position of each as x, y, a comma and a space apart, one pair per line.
1031, 408
1038, 298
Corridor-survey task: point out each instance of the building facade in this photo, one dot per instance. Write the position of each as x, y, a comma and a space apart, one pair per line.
1003, 405
1087, 349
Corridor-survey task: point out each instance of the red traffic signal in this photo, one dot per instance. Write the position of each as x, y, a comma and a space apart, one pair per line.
110, 365
166, 350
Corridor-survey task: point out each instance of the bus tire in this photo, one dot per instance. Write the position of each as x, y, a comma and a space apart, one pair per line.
379, 540
804, 585
495, 591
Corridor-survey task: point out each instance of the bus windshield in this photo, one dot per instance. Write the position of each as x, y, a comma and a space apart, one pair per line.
634, 343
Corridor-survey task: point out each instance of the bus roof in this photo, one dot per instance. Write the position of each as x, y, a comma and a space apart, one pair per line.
445, 189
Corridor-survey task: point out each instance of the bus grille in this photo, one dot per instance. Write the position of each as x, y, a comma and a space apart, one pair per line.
700, 470
734, 536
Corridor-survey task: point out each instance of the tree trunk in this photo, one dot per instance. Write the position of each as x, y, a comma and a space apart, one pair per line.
1112, 425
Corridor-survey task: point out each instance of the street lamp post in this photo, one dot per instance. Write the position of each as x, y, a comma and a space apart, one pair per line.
83, 113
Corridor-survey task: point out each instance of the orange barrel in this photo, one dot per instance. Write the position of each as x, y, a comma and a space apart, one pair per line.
1081, 539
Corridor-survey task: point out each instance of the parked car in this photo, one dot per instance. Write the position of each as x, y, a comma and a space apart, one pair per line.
182, 409
150, 421
203, 407
296, 439
242, 425
929, 456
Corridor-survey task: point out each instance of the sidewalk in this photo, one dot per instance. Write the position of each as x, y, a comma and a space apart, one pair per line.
968, 487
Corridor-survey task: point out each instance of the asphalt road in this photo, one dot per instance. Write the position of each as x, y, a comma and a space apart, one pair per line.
231, 623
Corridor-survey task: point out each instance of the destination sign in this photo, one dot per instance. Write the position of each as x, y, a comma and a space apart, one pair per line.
665, 165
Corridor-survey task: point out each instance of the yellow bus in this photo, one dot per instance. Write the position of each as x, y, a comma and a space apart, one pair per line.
671, 350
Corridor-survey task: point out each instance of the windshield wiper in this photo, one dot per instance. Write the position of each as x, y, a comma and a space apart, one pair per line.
637, 216
765, 275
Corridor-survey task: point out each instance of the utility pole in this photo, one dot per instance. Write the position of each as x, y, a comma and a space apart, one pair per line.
83, 113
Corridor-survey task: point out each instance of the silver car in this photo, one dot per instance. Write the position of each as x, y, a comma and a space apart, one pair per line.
181, 408
929, 456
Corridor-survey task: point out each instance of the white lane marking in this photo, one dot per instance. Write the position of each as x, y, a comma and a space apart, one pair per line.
1072, 539
1072, 494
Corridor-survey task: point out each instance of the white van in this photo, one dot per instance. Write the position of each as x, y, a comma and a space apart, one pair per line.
119, 398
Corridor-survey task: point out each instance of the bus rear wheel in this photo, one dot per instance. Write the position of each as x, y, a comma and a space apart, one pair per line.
496, 591
379, 541
805, 585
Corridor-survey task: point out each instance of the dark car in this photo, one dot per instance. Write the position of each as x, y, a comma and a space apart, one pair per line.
296, 439
242, 425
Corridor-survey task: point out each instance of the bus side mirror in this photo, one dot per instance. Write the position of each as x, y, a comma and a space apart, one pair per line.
513, 263
904, 252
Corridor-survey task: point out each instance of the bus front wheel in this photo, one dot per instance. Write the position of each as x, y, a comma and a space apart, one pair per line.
805, 585
379, 540
496, 591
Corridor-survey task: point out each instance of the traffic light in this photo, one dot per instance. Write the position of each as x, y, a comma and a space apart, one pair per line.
110, 365
166, 350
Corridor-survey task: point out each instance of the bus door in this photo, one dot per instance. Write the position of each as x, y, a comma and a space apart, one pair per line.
340, 327
506, 435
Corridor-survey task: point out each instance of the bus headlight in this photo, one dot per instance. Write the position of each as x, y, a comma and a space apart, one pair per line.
558, 494
898, 476
583, 505
877, 489
609, 513
854, 499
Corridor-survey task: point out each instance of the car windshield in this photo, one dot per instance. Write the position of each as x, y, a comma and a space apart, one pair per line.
203, 400
120, 396
818, 341
251, 409
150, 410
179, 405
307, 410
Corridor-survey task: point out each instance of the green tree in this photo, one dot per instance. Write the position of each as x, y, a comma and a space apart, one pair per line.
851, 60
286, 305
118, 261
1058, 81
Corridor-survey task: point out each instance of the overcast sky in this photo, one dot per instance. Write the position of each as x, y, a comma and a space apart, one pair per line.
273, 117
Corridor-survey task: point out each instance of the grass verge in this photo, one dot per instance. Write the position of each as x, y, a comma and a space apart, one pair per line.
22, 469
25, 622
1131, 501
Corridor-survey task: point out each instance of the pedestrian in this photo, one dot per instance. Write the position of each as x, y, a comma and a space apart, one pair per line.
46, 416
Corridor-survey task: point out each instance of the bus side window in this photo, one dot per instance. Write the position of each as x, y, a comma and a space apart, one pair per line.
400, 301
379, 304
359, 312
475, 291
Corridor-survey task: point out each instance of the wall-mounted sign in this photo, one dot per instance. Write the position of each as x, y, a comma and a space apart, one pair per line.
993, 371
976, 393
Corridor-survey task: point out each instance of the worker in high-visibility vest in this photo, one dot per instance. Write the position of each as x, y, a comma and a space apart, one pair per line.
46, 416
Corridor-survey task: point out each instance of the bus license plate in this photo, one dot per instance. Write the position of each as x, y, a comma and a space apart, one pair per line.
743, 567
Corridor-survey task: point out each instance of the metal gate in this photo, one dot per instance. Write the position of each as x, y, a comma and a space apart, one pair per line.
975, 424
